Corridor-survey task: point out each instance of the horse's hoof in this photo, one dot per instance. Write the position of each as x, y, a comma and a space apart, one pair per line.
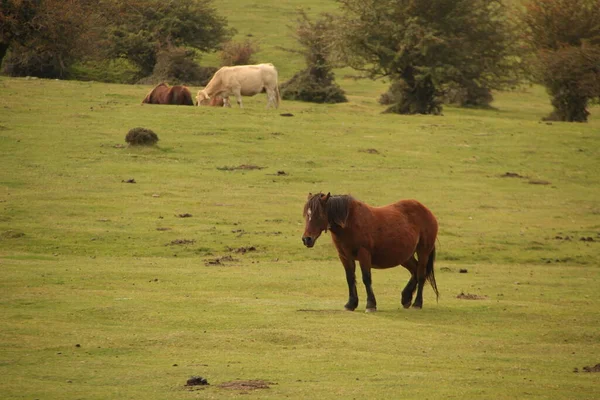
369, 310
348, 309
406, 305
417, 307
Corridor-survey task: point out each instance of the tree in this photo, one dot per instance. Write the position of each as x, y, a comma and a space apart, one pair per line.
144, 28
420, 46
565, 36
45, 37
316, 83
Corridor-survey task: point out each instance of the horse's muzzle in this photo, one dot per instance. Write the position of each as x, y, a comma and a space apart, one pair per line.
308, 241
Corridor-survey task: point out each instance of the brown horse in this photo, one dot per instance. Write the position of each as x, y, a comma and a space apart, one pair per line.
378, 237
163, 94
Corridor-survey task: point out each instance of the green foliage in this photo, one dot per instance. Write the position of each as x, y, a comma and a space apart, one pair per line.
565, 36
238, 53
316, 83
141, 29
177, 66
427, 44
46, 37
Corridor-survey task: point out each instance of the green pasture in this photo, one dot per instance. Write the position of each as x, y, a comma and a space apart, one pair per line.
107, 290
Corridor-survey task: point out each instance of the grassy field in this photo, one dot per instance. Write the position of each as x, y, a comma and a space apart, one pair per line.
108, 292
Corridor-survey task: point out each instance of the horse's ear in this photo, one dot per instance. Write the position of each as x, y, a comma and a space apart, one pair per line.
310, 195
327, 197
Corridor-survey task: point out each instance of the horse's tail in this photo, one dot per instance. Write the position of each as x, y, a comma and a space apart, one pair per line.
430, 274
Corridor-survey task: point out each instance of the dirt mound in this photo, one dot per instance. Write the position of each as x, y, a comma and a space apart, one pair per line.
595, 368
511, 175
470, 296
246, 385
219, 260
242, 166
196, 381
182, 241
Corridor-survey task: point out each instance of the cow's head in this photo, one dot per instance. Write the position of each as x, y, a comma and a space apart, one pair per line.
202, 99
315, 215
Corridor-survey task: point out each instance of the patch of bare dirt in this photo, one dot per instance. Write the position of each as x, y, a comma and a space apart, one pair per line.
182, 241
163, 229
370, 151
287, 115
219, 260
184, 215
539, 182
129, 181
470, 296
243, 250
246, 385
595, 368
11, 234
512, 175
242, 167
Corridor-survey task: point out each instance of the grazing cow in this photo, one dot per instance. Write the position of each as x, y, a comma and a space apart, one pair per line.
163, 94
242, 80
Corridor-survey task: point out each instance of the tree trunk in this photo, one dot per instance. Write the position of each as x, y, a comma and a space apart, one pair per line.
3, 51
414, 96
569, 108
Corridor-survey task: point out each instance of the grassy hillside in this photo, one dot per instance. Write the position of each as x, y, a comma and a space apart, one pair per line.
107, 290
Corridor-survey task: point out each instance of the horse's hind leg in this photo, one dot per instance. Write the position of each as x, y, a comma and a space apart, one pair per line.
408, 291
421, 276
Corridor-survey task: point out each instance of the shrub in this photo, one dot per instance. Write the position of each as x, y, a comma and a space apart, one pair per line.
305, 86
141, 137
238, 53
316, 83
564, 36
176, 66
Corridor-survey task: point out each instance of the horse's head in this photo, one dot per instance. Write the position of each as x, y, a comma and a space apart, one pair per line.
316, 218
202, 98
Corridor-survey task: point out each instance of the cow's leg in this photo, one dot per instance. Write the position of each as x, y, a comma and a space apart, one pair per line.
237, 92
270, 98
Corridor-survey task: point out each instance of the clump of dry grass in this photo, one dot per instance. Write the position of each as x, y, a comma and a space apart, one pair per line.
141, 137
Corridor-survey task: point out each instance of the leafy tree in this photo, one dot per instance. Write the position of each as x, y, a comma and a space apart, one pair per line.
316, 83
420, 46
144, 28
565, 35
45, 36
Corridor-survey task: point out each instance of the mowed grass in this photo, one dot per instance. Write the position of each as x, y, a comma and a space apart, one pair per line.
106, 292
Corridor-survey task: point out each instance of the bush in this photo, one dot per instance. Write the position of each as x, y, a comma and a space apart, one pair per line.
419, 99
238, 53
24, 62
468, 95
141, 137
176, 66
305, 86
564, 37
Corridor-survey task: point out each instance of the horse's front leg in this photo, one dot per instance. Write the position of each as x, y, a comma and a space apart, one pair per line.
350, 268
364, 258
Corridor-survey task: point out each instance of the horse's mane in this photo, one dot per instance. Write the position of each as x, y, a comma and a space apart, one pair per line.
337, 207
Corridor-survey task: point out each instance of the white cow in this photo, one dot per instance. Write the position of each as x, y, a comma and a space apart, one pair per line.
242, 80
